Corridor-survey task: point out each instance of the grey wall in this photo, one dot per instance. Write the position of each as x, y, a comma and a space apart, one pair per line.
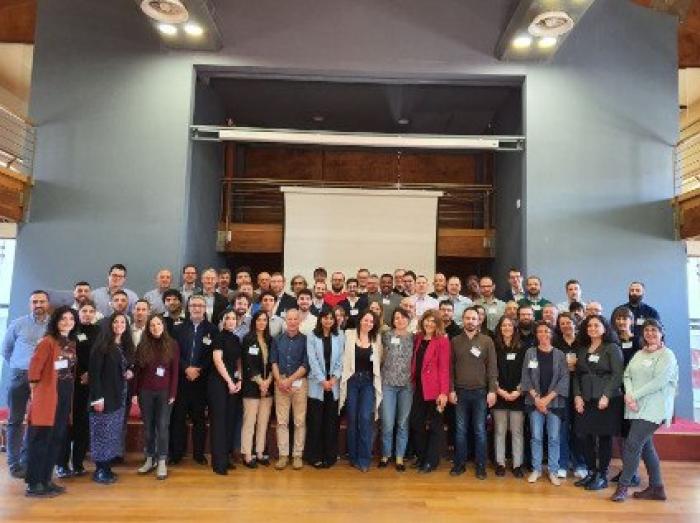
601, 120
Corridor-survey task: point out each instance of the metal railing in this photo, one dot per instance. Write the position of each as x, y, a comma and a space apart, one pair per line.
259, 200
687, 159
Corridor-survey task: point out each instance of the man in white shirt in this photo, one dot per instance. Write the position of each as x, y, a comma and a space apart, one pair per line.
420, 299
116, 279
439, 287
267, 304
362, 277
154, 297
461, 303
573, 293
139, 319
317, 302
307, 321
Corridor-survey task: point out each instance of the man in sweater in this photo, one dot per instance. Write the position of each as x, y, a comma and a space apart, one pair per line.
533, 297
474, 375
154, 297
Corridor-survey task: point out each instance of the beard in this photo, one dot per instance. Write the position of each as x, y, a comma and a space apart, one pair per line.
634, 299
336, 288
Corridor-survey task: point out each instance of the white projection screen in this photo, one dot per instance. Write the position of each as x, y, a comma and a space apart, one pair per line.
348, 229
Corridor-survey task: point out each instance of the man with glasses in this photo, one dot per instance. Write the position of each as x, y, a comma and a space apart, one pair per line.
189, 282
493, 307
116, 279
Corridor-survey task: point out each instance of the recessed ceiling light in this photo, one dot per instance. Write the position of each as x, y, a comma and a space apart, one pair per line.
167, 29
547, 42
404, 121
193, 29
521, 42
318, 118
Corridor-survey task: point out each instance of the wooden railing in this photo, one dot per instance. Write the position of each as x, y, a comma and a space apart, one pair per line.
17, 141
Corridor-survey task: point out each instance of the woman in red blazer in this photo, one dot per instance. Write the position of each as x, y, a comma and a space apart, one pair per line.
430, 375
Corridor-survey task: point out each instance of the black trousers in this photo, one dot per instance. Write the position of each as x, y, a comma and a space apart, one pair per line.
322, 427
78, 433
223, 410
46, 443
191, 401
598, 452
426, 431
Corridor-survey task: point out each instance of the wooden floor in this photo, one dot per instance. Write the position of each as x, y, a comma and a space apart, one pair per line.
194, 493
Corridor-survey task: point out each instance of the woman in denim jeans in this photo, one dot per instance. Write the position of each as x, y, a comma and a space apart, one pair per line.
361, 386
651, 382
397, 392
546, 383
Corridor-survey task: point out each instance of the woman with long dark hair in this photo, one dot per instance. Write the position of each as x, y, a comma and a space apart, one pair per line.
257, 396
651, 382
508, 412
51, 375
324, 347
157, 364
108, 375
361, 386
597, 398
78, 438
430, 375
223, 390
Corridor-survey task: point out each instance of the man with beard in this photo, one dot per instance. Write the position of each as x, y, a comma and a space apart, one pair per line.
284, 301
267, 304
533, 298
474, 375
362, 277
473, 290
154, 297
317, 302
439, 287
526, 327
216, 303
337, 293
354, 303
81, 295
18, 347
307, 320
372, 288
263, 283
241, 306
447, 316
388, 299
189, 282
174, 315
224, 287
398, 282
493, 307
550, 314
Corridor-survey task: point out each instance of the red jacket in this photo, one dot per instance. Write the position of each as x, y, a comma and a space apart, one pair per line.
435, 374
42, 409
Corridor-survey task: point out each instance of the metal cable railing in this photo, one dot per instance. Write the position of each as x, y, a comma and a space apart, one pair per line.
17, 142
687, 160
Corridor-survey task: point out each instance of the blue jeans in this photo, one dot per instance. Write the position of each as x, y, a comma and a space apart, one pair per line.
17, 399
570, 448
471, 407
537, 423
396, 409
360, 414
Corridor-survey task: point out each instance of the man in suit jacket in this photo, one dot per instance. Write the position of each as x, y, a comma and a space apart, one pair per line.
284, 301
216, 303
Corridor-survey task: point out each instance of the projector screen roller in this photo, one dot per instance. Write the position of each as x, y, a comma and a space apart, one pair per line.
348, 229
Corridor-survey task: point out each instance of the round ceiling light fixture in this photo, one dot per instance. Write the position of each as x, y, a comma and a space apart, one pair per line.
167, 11
551, 24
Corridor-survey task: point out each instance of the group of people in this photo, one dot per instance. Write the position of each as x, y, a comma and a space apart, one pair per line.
374, 347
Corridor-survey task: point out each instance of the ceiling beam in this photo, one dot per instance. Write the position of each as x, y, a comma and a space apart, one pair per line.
17, 21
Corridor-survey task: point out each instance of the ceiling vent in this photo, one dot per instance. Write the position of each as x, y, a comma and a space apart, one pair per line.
167, 11
551, 24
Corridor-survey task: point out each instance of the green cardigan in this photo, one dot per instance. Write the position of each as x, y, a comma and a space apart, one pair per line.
652, 379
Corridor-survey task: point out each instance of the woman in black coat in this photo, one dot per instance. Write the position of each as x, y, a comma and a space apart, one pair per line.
108, 374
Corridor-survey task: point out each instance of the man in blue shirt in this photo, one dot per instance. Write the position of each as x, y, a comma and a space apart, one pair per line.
116, 279
640, 310
290, 365
18, 347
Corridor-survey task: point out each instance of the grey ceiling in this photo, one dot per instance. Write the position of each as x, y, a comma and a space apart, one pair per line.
370, 107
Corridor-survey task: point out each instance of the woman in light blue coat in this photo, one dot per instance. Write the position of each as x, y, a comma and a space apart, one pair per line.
325, 351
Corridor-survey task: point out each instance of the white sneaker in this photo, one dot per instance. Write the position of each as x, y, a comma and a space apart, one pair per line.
162, 471
148, 466
581, 473
554, 479
534, 476
561, 473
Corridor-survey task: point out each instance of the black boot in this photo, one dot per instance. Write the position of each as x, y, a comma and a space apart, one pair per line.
585, 481
600, 482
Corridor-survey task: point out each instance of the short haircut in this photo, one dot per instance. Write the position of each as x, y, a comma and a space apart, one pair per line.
242, 295
576, 306
320, 271
623, 312
362, 270
305, 292
224, 271
410, 273
352, 280
120, 292
387, 275
447, 303
172, 293
533, 277
40, 291
637, 283
571, 282
189, 266
268, 293
117, 266
81, 284
210, 269
143, 300
244, 268
87, 303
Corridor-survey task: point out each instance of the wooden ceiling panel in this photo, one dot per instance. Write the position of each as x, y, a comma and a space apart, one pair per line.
17, 21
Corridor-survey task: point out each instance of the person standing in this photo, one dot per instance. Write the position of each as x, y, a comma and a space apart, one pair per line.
651, 382
102, 296
189, 282
397, 390
290, 364
597, 398
640, 309
18, 347
223, 393
430, 375
361, 387
164, 279
108, 375
422, 301
51, 374
493, 307
353, 303
324, 347
474, 375
157, 362
533, 296
545, 383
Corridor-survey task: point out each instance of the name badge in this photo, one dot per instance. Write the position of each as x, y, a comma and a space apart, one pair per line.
511, 356
386, 301
640, 321
493, 310
206, 340
296, 384
647, 363
532, 364
237, 375
536, 307
177, 322
594, 358
395, 340
160, 372
253, 351
371, 357
626, 344
81, 337
353, 312
475, 351
60, 364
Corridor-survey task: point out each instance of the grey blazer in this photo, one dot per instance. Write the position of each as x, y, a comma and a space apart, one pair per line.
531, 378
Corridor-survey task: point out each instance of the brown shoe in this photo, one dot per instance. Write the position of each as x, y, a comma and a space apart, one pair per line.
282, 462
652, 493
297, 463
620, 494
